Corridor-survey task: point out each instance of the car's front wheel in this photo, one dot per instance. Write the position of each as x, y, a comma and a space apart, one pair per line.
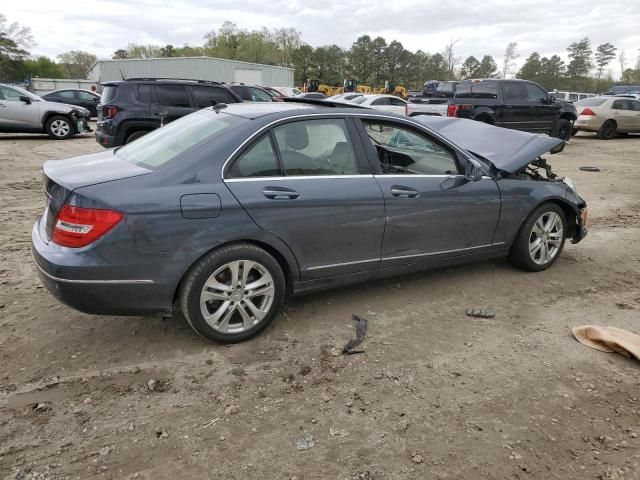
540, 239
563, 129
233, 293
59, 127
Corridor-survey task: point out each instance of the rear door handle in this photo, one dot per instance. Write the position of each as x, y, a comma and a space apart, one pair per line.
279, 193
403, 192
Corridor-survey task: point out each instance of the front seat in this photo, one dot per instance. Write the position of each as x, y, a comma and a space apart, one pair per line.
341, 158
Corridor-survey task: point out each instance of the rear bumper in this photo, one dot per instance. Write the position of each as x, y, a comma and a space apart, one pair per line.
107, 141
91, 288
587, 123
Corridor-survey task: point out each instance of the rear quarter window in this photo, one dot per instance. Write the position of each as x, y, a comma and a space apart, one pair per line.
172, 95
483, 90
108, 93
204, 96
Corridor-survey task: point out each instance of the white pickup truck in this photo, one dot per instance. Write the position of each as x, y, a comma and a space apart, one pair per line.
427, 106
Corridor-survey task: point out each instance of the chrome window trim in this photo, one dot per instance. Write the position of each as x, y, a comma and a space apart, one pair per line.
296, 177
370, 114
93, 282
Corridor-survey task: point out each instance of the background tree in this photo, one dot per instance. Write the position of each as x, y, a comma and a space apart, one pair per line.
510, 55
168, 51
120, 53
469, 67
18, 34
395, 57
488, 68
361, 58
77, 63
378, 49
42, 67
580, 64
604, 54
450, 58
531, 69
301, 60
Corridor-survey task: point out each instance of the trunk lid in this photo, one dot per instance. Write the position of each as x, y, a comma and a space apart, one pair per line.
508, 150
61, 177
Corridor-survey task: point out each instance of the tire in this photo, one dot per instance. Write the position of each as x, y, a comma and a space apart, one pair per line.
523, 252
234, 316
59, 127
136, 135
563, 129
607, 130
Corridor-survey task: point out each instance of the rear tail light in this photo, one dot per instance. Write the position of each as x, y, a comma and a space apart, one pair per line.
109, 111
588, 111
77, 227
466, 106
452, 110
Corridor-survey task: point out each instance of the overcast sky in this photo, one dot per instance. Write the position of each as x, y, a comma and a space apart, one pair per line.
483, 27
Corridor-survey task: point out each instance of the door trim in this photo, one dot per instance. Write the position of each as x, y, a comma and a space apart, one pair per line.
319, 267
442, 252
295, 177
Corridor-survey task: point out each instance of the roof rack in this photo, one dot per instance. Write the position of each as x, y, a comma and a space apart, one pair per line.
323, 102
153, 79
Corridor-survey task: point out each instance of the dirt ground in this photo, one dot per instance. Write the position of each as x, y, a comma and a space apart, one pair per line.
436, 395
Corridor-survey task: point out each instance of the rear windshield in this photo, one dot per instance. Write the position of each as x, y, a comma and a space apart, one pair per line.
156, 149
591, 102
108, 93
477, 90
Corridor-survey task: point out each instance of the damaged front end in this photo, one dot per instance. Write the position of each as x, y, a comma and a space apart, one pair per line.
81, 120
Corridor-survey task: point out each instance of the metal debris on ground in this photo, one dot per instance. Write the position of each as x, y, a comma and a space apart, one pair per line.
481, 312
590, 169
361, 331
305, 443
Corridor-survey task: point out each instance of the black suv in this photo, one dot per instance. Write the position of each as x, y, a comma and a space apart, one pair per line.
517, 104
130, 108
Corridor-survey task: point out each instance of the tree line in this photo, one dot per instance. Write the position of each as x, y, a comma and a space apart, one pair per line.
369, 60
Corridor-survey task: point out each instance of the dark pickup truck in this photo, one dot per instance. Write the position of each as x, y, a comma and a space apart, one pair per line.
516, 104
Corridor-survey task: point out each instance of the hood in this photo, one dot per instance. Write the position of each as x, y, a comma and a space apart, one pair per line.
87, 170
508, 150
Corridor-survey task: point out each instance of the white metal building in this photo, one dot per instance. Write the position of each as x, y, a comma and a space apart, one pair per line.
192, 68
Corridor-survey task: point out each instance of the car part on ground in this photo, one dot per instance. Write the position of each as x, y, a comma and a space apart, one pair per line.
23, 112
360, 325
131, 108
226, 211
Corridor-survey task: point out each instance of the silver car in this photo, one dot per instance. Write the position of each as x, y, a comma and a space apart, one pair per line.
23, 112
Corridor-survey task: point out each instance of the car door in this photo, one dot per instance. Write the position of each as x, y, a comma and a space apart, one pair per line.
432, 210
635, 106
624, 117
16, 114
308, 183
170, 102
543, 111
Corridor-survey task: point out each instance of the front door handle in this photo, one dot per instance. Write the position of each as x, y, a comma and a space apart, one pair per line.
403, 192
279, 193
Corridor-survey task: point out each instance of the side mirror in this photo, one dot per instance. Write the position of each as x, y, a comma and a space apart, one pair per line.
25, 99
551, 99
473, 170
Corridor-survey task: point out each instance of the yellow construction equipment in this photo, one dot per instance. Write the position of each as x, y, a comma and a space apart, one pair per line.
351, 85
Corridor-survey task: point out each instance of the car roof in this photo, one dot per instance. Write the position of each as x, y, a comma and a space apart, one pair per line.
73, 90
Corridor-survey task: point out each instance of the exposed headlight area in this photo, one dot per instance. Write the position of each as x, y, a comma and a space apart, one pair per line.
570, 183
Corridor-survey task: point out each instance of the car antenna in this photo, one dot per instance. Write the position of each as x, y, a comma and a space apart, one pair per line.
122, 74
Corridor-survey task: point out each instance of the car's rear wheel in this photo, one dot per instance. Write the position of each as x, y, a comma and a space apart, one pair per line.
540, 239
607, 130
233, 293
59, 127
136, 135
562, 129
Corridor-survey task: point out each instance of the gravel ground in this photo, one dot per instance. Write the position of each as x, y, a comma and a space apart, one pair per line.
436, 395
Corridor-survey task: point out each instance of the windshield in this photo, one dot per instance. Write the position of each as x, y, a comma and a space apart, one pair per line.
159, 147
591, 102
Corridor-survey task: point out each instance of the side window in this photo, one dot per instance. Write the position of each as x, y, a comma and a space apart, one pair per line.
514, 92
620, 105
68, 94
86, 96
259, 161
172, 95
9, 94
573, 97
243, 92
403, 151
396, 102
316, 147
258, 95
204, 96
635, 105
381, 101
535, 93
144, 93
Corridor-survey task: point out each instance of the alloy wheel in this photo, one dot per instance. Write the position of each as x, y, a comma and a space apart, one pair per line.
60, 128
237, 296
545, 238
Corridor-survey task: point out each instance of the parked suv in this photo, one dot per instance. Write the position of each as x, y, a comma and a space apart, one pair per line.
517, 104
23, 112
251, 93
131, 108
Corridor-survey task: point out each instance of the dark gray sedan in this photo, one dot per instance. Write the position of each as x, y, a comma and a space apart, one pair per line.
226, 211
